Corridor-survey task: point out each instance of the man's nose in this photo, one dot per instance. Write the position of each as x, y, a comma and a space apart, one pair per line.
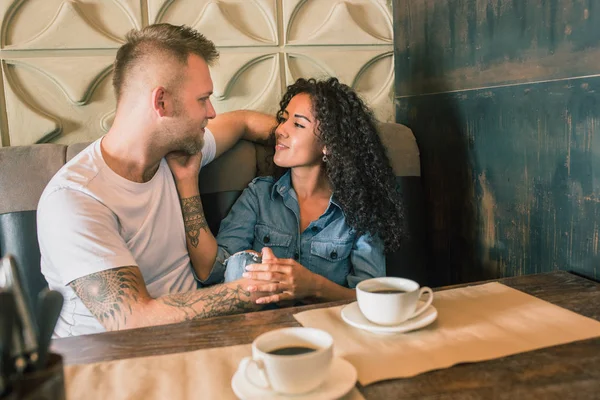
211, 111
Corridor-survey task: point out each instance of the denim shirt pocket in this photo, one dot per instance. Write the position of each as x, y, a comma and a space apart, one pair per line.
267, 236
331, 259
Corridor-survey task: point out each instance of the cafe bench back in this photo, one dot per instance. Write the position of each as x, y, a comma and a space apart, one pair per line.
25, 171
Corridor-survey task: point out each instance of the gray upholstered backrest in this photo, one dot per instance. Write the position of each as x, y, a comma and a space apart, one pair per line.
25, 171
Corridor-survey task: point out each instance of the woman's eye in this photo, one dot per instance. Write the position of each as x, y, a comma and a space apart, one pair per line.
298, 125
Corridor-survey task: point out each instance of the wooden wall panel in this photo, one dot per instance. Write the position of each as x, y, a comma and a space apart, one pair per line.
503, 98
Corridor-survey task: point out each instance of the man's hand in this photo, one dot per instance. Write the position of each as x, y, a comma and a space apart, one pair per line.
184, 167
284, 276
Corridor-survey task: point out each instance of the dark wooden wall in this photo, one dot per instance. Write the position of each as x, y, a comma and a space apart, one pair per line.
503, 97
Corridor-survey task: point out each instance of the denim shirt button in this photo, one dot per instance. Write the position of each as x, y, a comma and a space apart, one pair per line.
333, 254
266, 239
314, 229
296, 256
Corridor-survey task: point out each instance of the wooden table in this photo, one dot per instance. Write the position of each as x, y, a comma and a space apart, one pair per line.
570, 371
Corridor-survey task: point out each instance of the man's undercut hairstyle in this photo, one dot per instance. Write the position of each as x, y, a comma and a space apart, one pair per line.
159, 41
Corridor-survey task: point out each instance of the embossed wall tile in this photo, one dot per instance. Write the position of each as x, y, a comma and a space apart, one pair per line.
77, 77
247, 81
351, 22
59, 88
67, 24
346, 64
31, 123
370, 72
226, 22
39, 110
4, 139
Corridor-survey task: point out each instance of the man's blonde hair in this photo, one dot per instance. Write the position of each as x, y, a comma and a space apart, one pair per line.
159, 41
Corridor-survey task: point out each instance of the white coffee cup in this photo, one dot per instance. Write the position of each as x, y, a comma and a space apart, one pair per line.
289, 374
391, 308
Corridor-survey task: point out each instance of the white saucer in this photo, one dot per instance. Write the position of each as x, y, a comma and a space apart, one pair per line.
351, 315
341, 379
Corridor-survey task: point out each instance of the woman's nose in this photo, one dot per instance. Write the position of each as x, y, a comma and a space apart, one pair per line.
280, 130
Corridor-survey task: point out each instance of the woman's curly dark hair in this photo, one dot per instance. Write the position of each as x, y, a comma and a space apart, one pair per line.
357, 164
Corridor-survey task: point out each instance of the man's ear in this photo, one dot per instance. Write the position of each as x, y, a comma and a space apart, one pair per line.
159, 101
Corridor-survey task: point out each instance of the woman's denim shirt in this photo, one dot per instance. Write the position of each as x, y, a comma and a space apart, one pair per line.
267, 214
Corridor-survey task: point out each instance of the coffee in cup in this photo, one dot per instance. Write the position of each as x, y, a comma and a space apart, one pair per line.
289, 360
391, 301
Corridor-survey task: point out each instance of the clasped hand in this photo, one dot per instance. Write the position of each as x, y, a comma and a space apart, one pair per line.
285, 277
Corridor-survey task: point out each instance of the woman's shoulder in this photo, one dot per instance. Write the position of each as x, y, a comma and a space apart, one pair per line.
261, 183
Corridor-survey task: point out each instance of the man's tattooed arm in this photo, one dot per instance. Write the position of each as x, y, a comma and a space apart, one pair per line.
193, 218
201, 244
119, 299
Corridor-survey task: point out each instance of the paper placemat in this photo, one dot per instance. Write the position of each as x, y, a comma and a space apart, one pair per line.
474, 323
200, 374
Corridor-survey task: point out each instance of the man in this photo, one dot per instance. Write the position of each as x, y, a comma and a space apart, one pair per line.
113, 236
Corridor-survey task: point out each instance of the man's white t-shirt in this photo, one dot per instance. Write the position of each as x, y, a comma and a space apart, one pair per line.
90, 219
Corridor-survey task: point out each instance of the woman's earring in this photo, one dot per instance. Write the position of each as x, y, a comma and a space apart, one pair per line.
324, 157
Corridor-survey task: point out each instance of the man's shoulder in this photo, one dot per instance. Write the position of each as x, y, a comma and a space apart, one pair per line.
74, 176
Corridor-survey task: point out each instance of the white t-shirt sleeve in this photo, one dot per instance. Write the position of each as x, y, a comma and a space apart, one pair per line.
210, 147
79, 236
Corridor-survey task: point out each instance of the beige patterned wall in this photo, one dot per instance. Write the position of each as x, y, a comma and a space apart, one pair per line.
56, 56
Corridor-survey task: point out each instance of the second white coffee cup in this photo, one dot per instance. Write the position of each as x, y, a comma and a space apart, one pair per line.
391, 301
290, 360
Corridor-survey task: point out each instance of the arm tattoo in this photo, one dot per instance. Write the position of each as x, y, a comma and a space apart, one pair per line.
193, 218
217, 300
109, 294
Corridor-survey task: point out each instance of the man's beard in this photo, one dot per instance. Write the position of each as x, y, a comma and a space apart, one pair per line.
192, 146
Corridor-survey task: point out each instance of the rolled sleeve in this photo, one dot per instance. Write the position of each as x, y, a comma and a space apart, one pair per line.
217, 274
237, 229
367, 258
209, 150
235, 234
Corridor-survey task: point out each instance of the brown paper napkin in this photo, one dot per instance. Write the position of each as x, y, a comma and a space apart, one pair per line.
474, 323
201, 374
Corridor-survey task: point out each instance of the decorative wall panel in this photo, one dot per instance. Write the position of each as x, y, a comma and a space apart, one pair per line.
57, 56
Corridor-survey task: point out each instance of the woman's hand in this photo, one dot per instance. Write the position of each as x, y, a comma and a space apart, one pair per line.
284, 276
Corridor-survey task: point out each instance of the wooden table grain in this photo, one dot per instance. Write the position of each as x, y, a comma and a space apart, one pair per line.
570, 371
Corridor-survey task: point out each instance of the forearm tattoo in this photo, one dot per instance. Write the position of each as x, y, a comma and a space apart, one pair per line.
193, 218
211, 302
109, 294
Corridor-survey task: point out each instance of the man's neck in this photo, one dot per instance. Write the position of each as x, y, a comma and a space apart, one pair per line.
130, 156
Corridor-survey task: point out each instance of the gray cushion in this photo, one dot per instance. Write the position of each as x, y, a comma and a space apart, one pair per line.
232, 171
402, 149
75, 148
25, 172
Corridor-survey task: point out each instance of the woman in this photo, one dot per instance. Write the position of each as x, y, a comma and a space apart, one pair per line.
324, 224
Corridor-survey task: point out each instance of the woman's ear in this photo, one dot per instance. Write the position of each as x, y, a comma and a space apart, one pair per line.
324, 150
